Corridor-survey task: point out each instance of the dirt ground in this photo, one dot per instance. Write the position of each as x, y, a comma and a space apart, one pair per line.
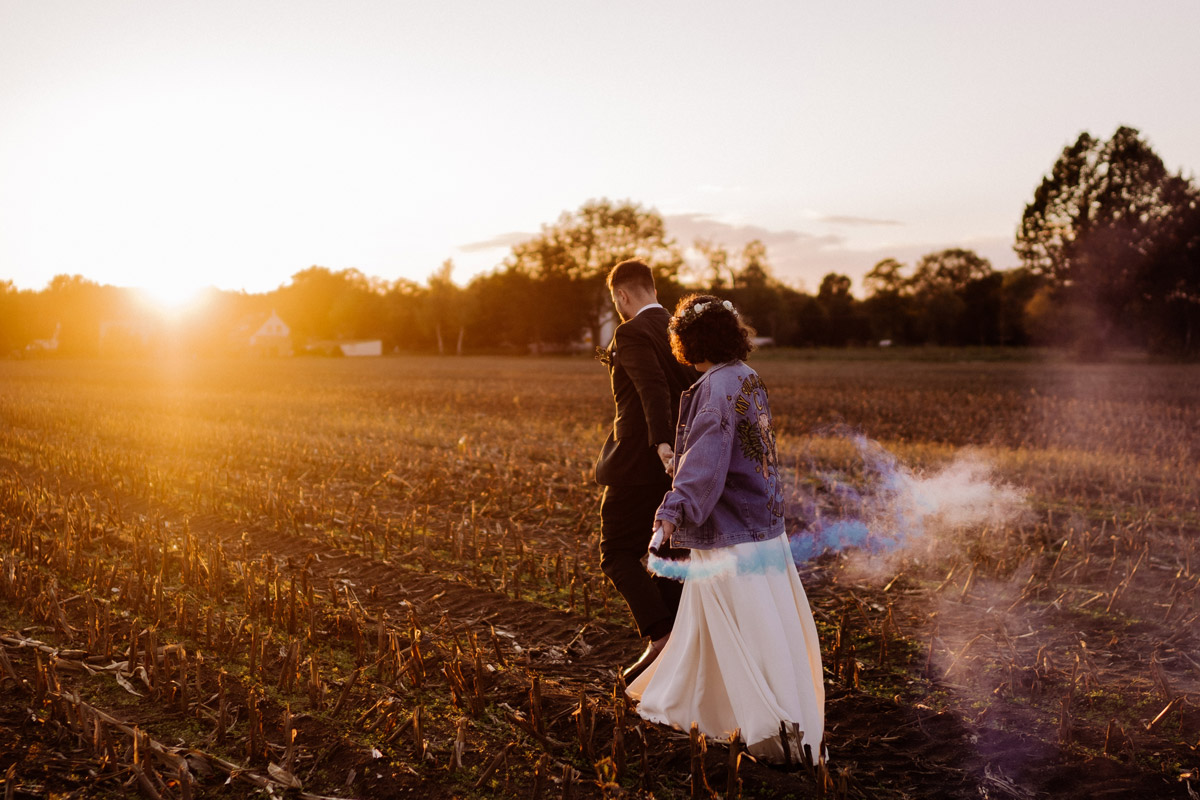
1058, 663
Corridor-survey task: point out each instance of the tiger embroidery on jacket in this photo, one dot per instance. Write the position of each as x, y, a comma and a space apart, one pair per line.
755, 434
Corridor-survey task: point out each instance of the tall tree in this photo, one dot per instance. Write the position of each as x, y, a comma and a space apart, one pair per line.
500, 303
889, 304
755, 270
1167, 289
949, 269
843, 323
887, 276
717, 267
572, 257
757, 293
956, 297
403, 314
1019, 287
445, 308
76, 306
1096, 229
14, 332
319, 303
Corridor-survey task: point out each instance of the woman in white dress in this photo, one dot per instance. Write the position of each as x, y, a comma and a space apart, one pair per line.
743, 654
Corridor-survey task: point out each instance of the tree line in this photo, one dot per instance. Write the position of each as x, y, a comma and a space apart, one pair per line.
1109, 252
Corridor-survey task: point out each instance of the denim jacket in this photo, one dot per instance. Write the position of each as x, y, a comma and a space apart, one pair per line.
726, 488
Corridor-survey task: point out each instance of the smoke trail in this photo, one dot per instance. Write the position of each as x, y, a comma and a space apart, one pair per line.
742, 559
885, 510
896, 508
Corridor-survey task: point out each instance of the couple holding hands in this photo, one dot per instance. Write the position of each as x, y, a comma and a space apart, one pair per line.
692, 530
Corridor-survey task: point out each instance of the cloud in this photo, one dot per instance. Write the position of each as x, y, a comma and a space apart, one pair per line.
858, 221
803, 259
798, 258
503, 240
686, 228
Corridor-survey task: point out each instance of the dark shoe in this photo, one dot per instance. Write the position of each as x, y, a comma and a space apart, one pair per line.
647, 658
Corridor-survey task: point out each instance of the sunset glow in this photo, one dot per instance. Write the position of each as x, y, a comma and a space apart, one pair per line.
172, 297
245, 144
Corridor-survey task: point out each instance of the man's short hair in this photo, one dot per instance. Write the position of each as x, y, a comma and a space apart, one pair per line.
631, 272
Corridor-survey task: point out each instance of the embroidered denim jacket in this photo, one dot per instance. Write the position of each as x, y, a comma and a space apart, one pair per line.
726, 488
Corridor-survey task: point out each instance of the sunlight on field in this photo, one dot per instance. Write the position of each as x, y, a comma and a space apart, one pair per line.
357, 540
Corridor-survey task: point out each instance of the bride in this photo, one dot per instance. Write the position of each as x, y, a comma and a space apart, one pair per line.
743, 653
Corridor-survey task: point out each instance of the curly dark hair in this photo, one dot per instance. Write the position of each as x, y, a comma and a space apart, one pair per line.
716, 335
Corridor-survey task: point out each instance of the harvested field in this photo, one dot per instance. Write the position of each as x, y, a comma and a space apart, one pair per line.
380, 578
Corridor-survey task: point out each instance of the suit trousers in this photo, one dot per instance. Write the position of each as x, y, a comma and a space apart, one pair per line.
626, 525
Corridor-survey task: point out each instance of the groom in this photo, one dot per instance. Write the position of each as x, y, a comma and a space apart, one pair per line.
635, 463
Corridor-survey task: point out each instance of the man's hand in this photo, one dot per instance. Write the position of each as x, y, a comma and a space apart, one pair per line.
667, 456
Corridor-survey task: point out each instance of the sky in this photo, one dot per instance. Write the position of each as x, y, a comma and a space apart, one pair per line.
171, 146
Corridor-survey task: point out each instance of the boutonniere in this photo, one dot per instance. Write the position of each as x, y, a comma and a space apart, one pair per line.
605, 356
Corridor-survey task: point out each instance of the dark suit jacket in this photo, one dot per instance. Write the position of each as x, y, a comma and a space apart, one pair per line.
646, 384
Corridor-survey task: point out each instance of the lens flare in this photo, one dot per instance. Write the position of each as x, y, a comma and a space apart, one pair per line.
172, 296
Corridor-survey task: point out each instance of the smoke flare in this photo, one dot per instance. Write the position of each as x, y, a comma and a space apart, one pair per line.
889, 509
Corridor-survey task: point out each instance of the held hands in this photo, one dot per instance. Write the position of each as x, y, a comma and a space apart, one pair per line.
667, 456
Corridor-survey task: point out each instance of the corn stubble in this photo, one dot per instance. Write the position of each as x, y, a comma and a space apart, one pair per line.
180, 570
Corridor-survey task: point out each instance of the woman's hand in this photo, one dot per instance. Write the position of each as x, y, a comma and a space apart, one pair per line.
662, 533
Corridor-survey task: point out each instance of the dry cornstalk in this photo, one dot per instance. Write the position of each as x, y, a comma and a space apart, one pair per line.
316, 687
345, 693
961, 653
495, 764
568, 782
699, 748
460, 744
733, 783
1154, 723
535, 706
645, 755
420, 746
585, 724
255, 742
618, 747
806, 753
541, 776
222, 708
1110, 744
145, 783
9, 672
1064, 721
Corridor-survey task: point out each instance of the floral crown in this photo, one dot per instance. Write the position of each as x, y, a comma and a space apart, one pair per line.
693, 312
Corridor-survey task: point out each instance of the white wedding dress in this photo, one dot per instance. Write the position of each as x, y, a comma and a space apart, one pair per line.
743, 653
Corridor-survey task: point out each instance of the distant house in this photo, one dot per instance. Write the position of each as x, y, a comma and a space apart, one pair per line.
262, 335
363, 347
353, 348
608, 326
44, 346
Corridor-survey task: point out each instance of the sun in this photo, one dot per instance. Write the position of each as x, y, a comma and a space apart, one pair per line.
172, 296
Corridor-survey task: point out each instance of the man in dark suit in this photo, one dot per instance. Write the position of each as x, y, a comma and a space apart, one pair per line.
635, 463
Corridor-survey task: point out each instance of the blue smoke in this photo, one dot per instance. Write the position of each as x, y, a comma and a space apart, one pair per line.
884, 514
724, 561
835, 536
883, 508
